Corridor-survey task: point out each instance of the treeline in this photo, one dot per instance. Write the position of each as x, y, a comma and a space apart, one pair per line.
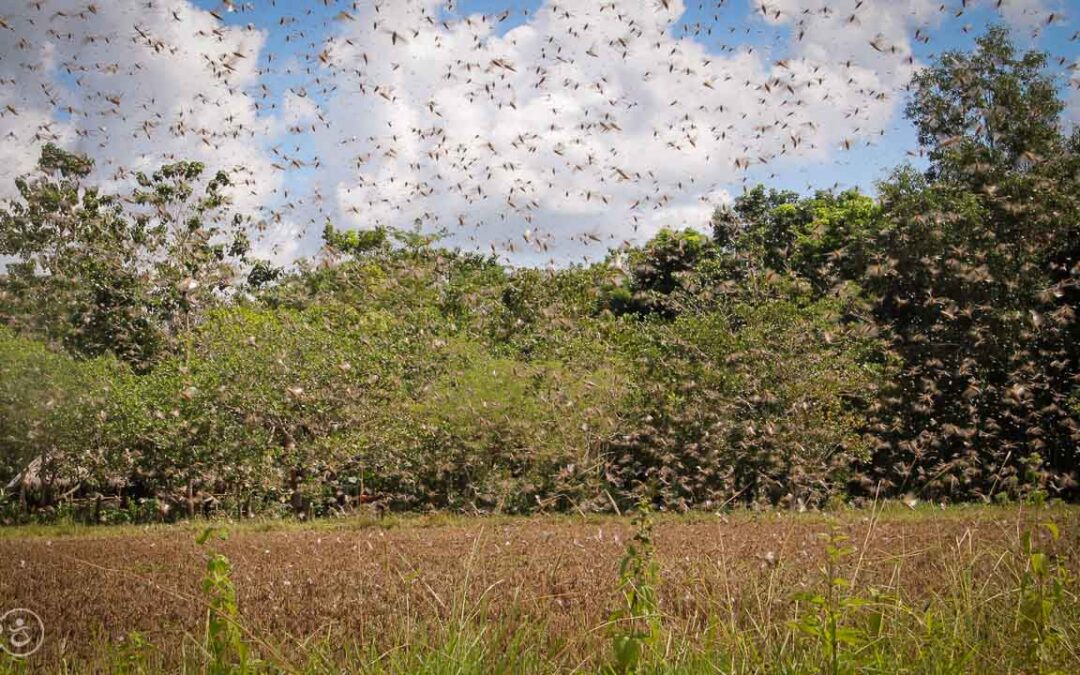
808, 349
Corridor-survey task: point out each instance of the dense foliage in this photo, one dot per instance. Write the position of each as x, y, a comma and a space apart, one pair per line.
810, 348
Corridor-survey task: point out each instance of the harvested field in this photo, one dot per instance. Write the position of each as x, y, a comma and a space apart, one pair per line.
318, 596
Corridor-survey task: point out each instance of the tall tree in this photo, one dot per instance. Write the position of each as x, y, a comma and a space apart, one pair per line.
971, 275
76, 278
126, 274
987, 110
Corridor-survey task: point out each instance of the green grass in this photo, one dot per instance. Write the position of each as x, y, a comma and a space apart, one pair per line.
893, 511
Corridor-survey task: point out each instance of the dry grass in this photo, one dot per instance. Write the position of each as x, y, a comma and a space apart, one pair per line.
337, 593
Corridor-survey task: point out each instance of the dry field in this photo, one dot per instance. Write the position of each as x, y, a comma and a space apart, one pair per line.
358, 594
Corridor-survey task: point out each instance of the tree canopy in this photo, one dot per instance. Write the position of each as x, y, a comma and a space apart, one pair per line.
795, 350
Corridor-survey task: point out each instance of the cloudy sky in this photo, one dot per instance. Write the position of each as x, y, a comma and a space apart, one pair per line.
540, 130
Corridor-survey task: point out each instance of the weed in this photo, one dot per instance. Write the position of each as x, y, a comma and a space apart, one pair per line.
225, 644
828, 617
637, 622
1042, 588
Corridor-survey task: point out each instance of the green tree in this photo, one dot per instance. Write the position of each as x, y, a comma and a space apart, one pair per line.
76, 279
973, 275
759, 227
128, 274
194, 243
355, 242
763, 402
660, 273
986, 109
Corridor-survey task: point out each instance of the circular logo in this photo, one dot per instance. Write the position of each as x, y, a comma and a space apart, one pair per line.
21, 632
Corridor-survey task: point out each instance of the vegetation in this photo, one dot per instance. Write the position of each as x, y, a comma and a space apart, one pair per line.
809, 349
885, 590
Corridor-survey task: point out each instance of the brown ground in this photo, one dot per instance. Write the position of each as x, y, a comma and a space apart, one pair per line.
368, 583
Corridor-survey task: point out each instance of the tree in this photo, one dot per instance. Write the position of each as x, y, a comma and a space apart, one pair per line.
194, 242
822, 239
763, 402
989, 108
355, 242
660, 272
77, 279
126, 274
973, 277
758, 228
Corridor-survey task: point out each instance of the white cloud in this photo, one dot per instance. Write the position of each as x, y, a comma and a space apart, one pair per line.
1025, 15
133, 85
1072, 103
588, 121
586, 118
